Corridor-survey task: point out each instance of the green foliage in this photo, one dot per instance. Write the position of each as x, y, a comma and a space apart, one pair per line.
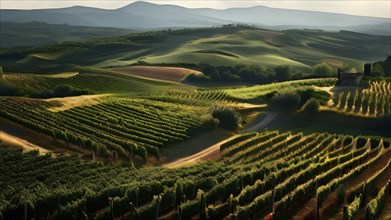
190, 208
168, 199
239, 73
219, 211
265, 92
324, 69
354, 207
293, 166
375, 206
283, 73
228, 117
208, 122
146, 125
40, 33
9, 90
61, 91
311, 106
386, 65
377, 70
148, 211
287, 102
273, 48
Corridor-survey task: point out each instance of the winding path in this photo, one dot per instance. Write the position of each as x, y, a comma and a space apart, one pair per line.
213, 152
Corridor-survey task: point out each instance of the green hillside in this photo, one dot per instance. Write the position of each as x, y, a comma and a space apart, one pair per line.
217, 46
39, 33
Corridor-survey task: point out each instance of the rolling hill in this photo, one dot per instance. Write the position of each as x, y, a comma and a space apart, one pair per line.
228, 45
39, 33
145, 16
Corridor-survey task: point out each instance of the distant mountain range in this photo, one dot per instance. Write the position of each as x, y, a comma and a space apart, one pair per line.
146, 16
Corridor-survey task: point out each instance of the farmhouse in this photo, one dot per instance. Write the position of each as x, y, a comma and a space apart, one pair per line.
349, 78
353, 78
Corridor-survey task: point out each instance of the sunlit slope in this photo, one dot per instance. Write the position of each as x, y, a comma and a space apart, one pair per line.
218, 46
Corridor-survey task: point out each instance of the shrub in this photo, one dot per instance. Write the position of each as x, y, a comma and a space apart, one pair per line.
148, 211
228, 117
189, 209
285, 102
208, 122
63, 90
283, 73
311, 106
323, 69
168, 199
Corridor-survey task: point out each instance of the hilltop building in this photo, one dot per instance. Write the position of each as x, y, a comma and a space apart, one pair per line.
346, 78
349, 78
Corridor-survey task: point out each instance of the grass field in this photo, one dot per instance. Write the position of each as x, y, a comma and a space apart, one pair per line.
300, 49
174, 74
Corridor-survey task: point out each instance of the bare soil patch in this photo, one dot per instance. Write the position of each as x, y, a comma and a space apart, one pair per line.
62, 104
210, 153
259, 123
174, 74
11, 140
198, 148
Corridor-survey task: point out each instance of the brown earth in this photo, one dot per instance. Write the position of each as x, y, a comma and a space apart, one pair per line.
10, 140
210, 153
213, 152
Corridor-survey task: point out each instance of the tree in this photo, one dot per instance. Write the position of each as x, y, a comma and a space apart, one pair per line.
283, 73
63, 91
208, 122
311, 106
209, 70
377, 70
287, 102
385, 66
228, 117
323, 69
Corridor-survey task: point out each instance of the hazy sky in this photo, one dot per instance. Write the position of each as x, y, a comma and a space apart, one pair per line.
376, 8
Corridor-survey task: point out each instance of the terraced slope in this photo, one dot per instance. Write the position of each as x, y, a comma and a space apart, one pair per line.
372, 102
262, 180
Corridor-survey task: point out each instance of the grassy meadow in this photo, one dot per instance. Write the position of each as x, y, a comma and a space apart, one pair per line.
300, 49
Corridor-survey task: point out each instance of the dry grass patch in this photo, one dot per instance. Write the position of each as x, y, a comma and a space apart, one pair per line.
174, 74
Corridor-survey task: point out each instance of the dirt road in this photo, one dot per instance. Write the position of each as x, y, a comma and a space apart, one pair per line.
213, 152
209, 153
9, 139
260, 123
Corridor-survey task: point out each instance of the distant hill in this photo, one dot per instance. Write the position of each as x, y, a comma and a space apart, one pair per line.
143, 15
39, 33
228, 45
